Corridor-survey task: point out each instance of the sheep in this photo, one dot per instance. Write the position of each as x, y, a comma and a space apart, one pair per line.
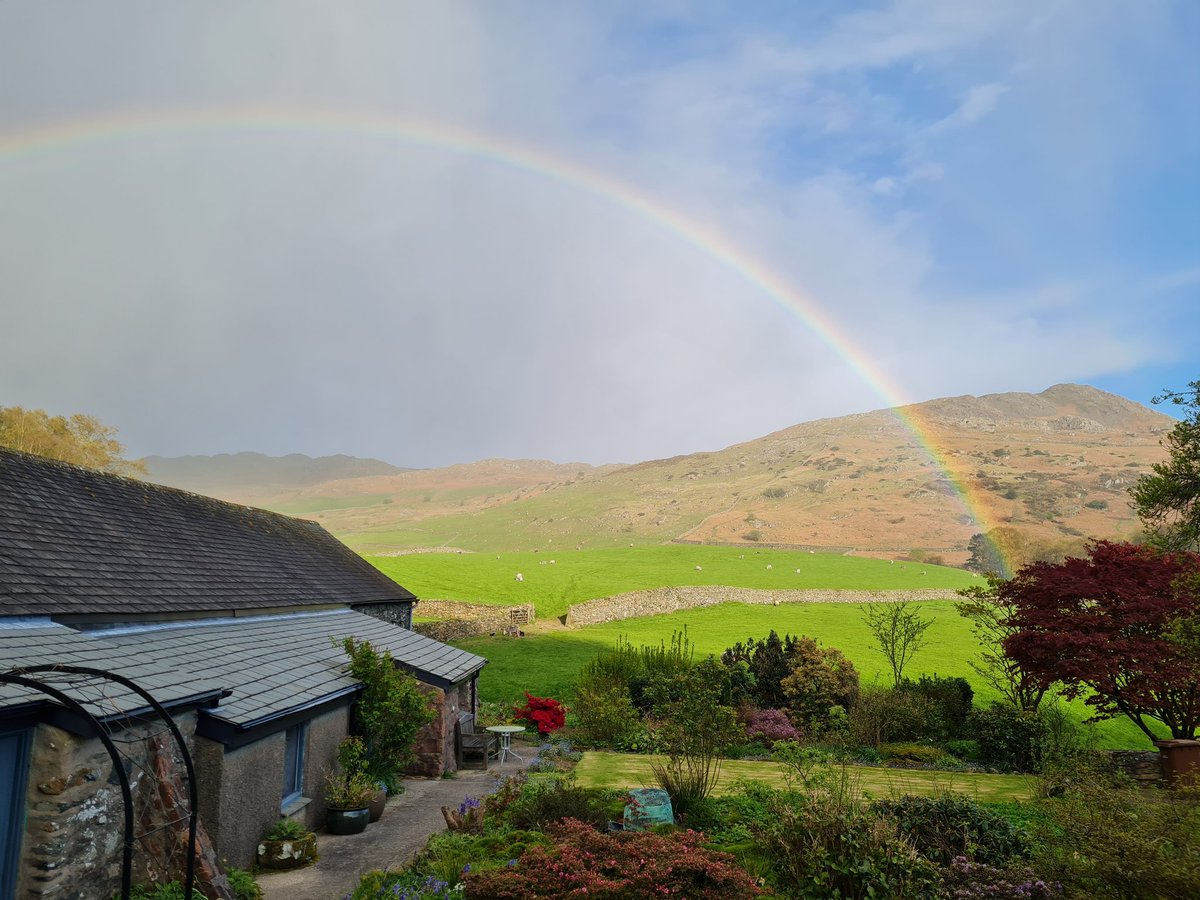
768, 565
520, 577
698, 568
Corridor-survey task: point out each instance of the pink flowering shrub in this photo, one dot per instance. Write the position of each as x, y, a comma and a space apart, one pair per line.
770, 725
619, 866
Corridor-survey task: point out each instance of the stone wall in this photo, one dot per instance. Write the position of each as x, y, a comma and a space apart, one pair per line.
458, 620
1143, 766
429, 747
668, 600
75, 814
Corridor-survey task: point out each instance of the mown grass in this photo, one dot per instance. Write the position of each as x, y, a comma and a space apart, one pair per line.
547, 664
628, 770
576, 576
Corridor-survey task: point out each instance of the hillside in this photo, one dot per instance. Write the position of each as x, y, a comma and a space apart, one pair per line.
1054, 464
242, 476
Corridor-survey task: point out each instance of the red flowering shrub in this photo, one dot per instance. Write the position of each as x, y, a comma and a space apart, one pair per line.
618, 866
544, 713
770, 725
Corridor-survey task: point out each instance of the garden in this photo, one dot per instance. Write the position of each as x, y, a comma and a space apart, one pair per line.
789, 774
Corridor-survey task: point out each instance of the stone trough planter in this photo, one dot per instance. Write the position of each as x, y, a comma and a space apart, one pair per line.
290, 853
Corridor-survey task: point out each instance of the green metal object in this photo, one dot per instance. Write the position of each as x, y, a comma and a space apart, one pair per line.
647, 808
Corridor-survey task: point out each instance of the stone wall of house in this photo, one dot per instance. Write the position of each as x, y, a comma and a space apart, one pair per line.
242, 789
668, 600
455, 619
429, 747
395, 613
75, 813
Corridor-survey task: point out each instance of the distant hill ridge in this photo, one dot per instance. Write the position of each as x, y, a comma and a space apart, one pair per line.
1056, 465
241, 470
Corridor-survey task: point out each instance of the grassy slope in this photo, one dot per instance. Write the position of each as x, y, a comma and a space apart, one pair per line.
576, 576
546, 664
628, 770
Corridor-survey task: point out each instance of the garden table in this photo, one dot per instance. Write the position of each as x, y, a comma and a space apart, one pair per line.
506, 732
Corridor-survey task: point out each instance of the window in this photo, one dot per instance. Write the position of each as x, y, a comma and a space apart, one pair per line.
14, 761
293, 763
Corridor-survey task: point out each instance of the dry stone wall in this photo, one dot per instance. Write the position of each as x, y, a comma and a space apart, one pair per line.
668, 600
455, 619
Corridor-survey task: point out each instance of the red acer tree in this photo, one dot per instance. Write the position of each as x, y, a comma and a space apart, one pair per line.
1108, 627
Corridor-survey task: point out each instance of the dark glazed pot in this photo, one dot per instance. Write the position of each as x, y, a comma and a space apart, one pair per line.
346, 821
377, 804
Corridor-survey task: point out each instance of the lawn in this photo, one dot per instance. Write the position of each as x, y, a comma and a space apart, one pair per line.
547, 664
553, 581
628, 770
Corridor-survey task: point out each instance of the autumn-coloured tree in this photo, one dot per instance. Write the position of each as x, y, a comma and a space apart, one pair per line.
1105, 626
80, 440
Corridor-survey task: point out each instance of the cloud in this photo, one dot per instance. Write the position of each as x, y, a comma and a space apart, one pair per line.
316, 290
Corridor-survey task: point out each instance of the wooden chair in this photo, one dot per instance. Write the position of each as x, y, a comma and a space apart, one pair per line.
483, 745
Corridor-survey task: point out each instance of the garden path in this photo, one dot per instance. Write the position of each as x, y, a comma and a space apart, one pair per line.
408, 822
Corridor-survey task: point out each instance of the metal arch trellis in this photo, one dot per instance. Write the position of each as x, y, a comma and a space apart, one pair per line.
86, 677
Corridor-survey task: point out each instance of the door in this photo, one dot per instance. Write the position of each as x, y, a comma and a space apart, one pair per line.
14, 769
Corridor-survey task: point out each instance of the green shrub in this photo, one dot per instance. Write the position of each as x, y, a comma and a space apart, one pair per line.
825, 844
243, 884
378, 884
450, 854
819, 679
545, 803
942, 828
604, 711
389, 712
884, 715
964, 749
1009, 738
1111, 841
950, 702
286, 830
914, 753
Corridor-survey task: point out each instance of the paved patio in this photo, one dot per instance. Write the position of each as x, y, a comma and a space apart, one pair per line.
390, 843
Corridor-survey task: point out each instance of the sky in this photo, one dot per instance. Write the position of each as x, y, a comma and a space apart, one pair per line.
439, 232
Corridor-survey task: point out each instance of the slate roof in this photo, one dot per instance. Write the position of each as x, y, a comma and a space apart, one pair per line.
77, 541
278, 663
272, 664
49, 644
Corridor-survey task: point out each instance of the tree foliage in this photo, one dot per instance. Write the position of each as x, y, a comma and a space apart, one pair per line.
899, 631
80, 440
390, 710
1168, 500
1104, 626
820, 679
989, 616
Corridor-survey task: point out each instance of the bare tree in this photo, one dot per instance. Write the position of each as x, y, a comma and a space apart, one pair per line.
899, 630
989, 617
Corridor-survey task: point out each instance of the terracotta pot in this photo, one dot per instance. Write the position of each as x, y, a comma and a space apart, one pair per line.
347, 821
1180, 761
377, 804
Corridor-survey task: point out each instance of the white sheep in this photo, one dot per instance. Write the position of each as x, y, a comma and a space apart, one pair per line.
768, 565
698, 568
520, 577
797, 571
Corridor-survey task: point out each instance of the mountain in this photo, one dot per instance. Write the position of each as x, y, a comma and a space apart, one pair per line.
255, 473
1055, 465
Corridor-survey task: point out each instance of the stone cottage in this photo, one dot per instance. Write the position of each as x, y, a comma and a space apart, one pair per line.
230, 616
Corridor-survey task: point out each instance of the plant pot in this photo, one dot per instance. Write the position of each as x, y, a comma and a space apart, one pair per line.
346, 821
290, 853
377, 804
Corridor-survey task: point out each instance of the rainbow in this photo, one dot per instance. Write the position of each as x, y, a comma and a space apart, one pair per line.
497, 150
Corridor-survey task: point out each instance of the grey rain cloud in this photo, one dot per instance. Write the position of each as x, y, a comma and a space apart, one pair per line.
299, 288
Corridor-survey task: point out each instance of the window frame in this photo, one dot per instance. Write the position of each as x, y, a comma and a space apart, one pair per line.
295, 740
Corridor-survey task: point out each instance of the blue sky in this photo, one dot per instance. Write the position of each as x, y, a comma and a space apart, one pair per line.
981, 196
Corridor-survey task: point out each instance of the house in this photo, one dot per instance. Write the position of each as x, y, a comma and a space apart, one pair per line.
231, 617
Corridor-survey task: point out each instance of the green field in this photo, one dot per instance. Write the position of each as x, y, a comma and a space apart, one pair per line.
629, 770
546, 664
578, 575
